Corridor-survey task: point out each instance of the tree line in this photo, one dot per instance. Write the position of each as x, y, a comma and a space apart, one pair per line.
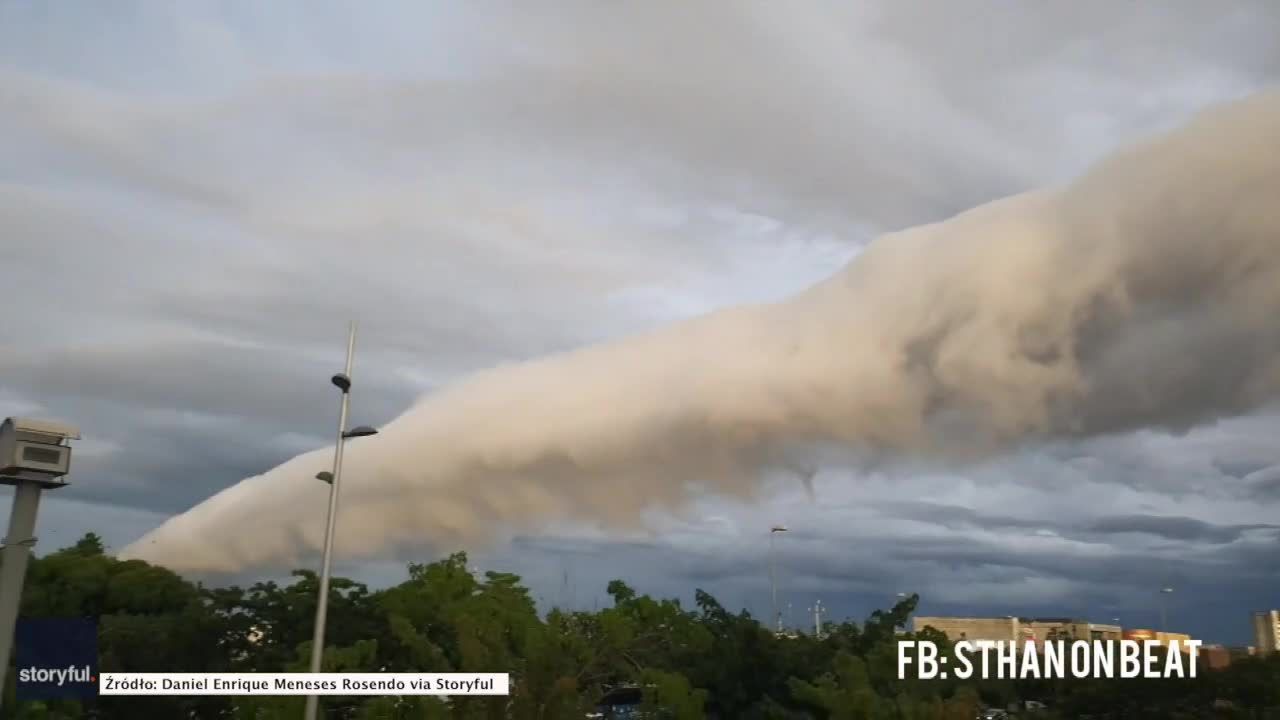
704, 662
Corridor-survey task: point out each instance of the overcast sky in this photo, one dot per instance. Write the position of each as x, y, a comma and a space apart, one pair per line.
195, 199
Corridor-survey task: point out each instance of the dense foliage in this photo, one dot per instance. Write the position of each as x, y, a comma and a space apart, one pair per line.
705, 662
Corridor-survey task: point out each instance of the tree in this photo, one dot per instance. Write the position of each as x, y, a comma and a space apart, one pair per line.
90, 544
963, 705
670, 694
845, 693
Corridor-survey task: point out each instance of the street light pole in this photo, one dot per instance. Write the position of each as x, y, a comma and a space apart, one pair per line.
773, 575
343, 382
1164, 609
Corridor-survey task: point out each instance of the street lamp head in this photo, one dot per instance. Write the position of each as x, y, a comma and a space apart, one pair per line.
1166, 590
325, 476
342, 382
360, 431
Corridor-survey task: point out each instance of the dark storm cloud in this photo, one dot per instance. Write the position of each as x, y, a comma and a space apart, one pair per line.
1118, 568
1094, 584
218, 379
1264, 484
987, 578
955, 516
178, 465
1175, 528
1185, 529
185, 418
553, 545
1239, 469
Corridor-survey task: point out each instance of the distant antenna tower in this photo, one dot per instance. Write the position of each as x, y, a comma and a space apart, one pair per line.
818, 611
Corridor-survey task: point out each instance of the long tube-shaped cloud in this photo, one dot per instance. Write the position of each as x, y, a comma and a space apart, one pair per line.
1146, 293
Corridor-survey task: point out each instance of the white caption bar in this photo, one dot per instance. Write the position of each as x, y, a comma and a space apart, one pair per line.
304, 684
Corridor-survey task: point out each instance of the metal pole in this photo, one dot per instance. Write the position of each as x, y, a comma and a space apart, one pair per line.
773, 577
322, 602
15, 554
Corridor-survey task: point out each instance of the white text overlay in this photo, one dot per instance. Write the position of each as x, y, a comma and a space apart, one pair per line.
996, 659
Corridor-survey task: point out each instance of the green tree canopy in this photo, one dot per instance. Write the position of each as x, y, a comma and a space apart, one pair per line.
682, 663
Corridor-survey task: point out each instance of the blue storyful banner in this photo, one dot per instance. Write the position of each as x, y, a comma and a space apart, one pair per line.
56, 658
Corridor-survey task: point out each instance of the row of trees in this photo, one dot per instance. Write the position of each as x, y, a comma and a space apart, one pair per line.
704, 662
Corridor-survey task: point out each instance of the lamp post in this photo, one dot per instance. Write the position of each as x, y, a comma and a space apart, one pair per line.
1164, 609
343, 382
773, 575
34, 456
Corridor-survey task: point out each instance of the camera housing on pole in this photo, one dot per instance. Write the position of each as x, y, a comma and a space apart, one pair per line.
34, 456
35, 451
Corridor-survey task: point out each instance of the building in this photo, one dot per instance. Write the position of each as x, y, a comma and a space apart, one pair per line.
1033, 630
1266, 631
971, 629
1164, 638
1215, 657
1045, 629
1104, 631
